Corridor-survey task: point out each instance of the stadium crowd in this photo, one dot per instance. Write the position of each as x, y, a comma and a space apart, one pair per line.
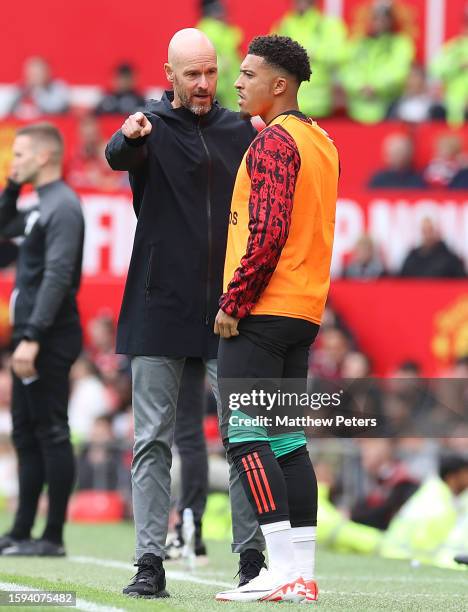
367, 71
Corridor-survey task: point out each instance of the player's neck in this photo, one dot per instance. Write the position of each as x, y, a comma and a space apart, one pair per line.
282, 106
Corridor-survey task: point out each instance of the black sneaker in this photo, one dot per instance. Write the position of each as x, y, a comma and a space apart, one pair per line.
251, 562
150, 579
34, 548
6, 541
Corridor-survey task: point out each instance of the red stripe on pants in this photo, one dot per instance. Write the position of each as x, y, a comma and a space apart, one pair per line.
265, 482
257, 480
252, 486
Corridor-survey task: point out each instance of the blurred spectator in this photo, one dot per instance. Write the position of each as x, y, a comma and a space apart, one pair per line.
39, 94
460, 180
399, 172
327, 357
324, 38
416, 103
389, 484
109, 374
377, 66
355, 365
433, 258
448, 161
424, 522
101, 332
5, 402
88, 398
124, 99
226, 39
365, 261
451, 68
100, 461
409, 403
365, 397
8, 471
87, 167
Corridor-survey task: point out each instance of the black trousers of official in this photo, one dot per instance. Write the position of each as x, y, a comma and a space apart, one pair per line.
41, 436
189, 438
272, 347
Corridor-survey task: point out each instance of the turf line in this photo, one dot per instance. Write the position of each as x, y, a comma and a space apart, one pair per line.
81, 604
186, 577
173, 575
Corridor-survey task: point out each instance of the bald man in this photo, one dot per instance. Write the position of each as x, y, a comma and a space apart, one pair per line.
182, 154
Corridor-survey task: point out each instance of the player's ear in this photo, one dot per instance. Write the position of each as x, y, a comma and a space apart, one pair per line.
169, 73
280, 85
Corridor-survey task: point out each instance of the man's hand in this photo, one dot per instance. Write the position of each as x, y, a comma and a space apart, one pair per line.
136, 126
23, 359
225, 325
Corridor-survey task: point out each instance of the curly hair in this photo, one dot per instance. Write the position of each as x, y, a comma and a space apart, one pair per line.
283, 52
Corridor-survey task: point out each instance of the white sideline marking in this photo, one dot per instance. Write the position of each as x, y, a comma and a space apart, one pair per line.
187, 577
81, 604
407, 579
173, 575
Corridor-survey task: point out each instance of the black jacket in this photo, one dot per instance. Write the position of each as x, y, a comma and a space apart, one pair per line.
436, 262
48, 270
182, 176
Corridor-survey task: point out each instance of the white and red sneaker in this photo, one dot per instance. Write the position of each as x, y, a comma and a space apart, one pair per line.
266, 587
311, 592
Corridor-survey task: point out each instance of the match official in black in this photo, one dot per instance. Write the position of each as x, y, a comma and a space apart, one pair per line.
46, 334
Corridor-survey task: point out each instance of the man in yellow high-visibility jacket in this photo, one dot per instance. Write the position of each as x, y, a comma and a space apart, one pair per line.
226, 39
324, 38
376, 68
424, 522
451, 67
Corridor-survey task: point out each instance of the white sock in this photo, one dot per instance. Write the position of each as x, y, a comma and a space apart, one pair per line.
280, 549
303, 539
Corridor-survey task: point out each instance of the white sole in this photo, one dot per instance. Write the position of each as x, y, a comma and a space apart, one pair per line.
273, 595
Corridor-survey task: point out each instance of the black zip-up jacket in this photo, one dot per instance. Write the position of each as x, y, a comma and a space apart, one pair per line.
48, 269
182, 176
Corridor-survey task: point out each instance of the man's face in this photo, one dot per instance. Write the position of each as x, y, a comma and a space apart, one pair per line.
302, 6
124, 82
255, 86
195, 83
459, 481
36, 72
26, 160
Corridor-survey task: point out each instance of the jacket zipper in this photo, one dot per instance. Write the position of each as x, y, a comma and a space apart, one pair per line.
210, 238
148, 275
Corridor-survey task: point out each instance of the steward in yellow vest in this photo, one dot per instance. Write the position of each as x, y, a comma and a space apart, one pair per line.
324, 38
376, 68
421, 527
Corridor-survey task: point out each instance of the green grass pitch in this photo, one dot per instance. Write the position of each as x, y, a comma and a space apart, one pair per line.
98, 566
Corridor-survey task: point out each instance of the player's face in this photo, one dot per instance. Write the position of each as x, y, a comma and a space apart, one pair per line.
195, 84
26, 162
255, 86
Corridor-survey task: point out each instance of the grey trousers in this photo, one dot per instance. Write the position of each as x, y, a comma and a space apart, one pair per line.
156, 383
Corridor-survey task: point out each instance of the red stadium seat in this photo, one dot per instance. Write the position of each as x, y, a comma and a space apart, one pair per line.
96, 507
